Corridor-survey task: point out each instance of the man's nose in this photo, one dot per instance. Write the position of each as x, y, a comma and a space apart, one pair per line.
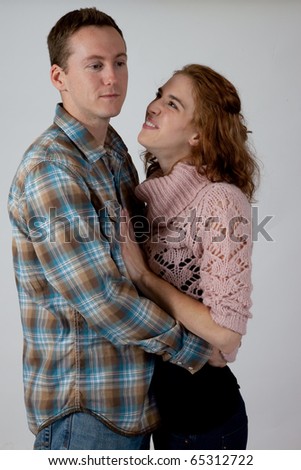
109, 75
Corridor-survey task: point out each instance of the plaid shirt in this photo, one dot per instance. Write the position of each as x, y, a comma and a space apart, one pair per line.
89, 338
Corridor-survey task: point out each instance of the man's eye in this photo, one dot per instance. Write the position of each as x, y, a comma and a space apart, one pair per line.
95, 66
158, 95
121, 63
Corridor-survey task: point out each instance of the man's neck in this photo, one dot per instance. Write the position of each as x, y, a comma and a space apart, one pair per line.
99, 132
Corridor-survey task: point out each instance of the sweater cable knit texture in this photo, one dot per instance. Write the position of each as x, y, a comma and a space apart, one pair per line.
201, 241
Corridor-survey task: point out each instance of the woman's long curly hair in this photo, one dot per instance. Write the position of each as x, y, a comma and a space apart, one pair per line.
223, 154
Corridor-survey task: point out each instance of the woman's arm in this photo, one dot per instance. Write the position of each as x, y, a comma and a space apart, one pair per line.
191, 313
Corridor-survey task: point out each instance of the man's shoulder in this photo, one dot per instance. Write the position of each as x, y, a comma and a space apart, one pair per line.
52, 146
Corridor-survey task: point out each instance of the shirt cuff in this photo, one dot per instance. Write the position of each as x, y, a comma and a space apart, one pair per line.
193, 355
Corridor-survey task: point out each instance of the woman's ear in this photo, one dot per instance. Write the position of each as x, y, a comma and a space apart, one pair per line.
195, 139
57, 77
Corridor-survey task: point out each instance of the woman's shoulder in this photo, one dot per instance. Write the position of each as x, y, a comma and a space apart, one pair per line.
222, 196
223, 191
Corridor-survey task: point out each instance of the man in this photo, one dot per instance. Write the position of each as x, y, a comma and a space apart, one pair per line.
89, 339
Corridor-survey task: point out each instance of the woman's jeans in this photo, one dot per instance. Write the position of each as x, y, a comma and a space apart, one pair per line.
232, 435
82, 431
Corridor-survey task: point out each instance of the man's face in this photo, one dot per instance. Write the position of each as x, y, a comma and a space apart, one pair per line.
95, 80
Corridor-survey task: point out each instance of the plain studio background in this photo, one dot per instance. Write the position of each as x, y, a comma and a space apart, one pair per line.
256, 44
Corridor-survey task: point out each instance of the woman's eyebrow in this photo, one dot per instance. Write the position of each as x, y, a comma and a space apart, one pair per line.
172, 97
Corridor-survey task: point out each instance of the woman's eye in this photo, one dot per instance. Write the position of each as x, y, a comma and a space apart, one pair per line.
172, 105
121, 64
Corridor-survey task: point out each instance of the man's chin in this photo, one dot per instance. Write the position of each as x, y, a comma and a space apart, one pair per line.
111, 113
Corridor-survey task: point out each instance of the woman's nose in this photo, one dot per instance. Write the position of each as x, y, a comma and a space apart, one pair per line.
154, 107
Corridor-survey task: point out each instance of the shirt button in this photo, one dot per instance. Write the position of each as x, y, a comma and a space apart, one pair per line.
179, 363
190, 368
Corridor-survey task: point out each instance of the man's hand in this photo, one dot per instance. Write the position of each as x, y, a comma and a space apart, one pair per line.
216, 359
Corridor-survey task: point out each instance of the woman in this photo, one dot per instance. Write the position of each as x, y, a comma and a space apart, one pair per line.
201, 180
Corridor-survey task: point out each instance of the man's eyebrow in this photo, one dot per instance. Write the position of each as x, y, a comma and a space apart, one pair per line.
122, 54
99, 57
172, 97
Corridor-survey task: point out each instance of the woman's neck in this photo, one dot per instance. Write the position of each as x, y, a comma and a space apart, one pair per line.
167, 165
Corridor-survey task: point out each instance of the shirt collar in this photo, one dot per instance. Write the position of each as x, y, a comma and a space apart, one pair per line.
82, 138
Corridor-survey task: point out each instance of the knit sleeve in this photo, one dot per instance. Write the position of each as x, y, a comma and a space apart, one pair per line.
223, 246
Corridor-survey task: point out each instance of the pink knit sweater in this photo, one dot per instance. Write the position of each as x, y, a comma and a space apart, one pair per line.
201, 241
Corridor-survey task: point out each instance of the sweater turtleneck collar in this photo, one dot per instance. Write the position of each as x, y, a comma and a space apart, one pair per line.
171, 194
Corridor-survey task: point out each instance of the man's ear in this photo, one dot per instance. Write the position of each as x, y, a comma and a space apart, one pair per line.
57, 77
195, 139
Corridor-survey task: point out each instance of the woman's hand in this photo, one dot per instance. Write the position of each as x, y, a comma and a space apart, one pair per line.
217, 359
132, 254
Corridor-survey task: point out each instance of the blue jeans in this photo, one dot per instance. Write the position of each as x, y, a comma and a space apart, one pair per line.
232, 435
82, 431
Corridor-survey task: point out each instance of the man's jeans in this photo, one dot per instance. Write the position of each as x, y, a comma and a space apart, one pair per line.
82, 431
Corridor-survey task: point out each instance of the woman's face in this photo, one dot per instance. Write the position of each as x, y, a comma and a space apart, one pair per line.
168, 131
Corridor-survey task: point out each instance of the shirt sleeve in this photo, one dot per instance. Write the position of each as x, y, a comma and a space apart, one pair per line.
79, 260
223, 248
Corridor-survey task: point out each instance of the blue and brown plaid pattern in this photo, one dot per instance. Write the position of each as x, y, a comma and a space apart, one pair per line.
88, 335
